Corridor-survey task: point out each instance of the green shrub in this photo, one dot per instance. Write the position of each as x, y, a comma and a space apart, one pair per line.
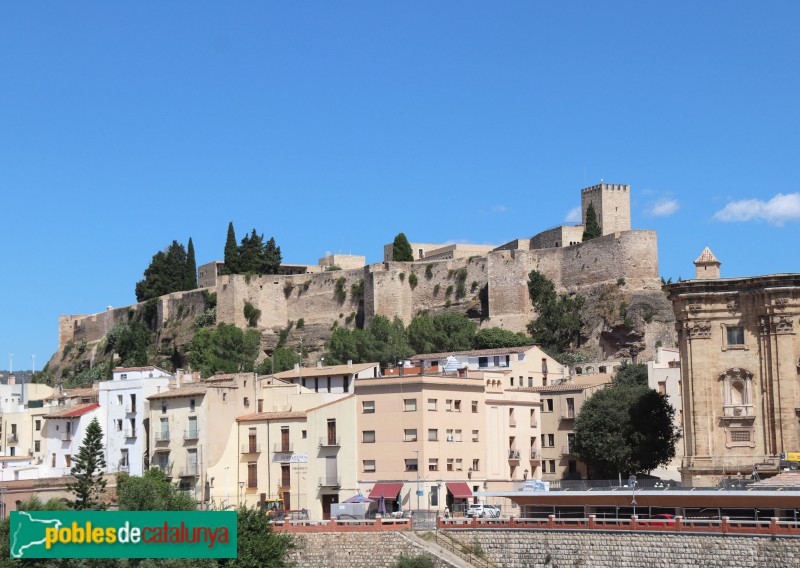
402, 276
620, 281
332, 267
357, 290
251, 314
414, 561
648, 318
412, 280
429, 271
301, 323
350, 318
473, 286
449, 291
338, 290
436, 290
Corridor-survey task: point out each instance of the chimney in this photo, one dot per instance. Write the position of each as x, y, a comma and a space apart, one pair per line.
297, 368
319, 364
12, 379
349, 363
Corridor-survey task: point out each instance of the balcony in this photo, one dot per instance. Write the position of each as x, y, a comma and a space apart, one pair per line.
251, 448
191, 435
513, 455
535, 457
282, 448
65, 437
130, 409
162, 436
512, 423
738, 412
12, 439
534, 424
330, 482
565, 451
130, 433
188, 471
330, 442
124, 467
568, 414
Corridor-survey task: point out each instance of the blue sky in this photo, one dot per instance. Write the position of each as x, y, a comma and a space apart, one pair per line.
334, 125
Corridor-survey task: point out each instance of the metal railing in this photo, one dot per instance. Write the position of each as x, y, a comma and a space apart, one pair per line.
330, 482
12, 439
281, 448
162, 436
191, 434
568, 414
469, 553
513, 455
130, 433
188, 472
330, 441
251, 448
130, 409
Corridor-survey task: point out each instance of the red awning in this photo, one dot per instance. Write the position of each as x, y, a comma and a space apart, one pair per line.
460, 490
385, 490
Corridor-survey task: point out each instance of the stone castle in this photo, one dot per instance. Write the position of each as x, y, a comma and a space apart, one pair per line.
487, 283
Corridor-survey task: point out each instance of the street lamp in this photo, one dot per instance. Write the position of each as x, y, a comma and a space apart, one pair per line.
525, 474
241, 490
632, 483
469, 473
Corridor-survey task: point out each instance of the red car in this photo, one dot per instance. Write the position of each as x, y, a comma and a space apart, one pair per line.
662, 520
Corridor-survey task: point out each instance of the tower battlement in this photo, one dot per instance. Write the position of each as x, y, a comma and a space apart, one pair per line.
612, 205
606, 187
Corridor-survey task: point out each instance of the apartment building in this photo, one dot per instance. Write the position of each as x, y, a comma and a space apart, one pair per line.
560, 406
430, 441
664, 376
332, 380
66, 417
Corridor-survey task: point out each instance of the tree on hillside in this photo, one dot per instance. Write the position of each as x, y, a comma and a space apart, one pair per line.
227, 349
165, 274
283, 359
592, 229
401, 250
625, 429
130, 341
558, 324
191, 267
153, 491
422, 334
231, 258
496, 337
90, 485
257, 544
631, 374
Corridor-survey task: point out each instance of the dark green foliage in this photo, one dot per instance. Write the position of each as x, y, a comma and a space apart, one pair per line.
332, 267
301, 323
383, 341
401, 251
227, 349
496, 337
559, 323
357, 290
592, 228
414, 561
251, 314
448, 291
191, 267
209, 315
349, 319
231, 258
436, 289
258, 546
461, 283
153, 491
631, 374
402, 276
429, 271
444, 332
338, 290
473, 286
620, 282
101, 371
88, 471
626, 428
130, 341
283, 359
412, 280
166, 273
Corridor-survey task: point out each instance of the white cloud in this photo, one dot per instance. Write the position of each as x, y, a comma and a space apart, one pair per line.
663, 207
573, 215
499, 209
776, 211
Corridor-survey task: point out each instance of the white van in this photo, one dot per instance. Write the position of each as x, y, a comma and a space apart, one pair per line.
481, 510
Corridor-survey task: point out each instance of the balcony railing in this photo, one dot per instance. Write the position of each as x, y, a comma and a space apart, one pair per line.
130, 409
13, 439
251, 448
568, 414
535, 455
513, 455
191, 434
330, 481
331, 442
281, 448
740, 411
162, 436
188, 471
512, 423
65, 437
565, 450
124, 467
130, 433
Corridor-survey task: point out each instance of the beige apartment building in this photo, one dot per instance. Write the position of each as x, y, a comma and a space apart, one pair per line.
740, 365
560, 406
430, 441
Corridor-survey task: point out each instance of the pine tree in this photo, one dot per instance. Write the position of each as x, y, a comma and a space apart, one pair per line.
165, 274
401, 251
88, 471
272, 257
592, 228
231, 252
191, 267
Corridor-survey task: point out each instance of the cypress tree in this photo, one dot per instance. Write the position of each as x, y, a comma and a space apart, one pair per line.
402, 249
592, 228
231, 252
272, 257
191, 267
88, 471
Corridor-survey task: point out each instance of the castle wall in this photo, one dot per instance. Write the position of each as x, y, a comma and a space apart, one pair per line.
565, 235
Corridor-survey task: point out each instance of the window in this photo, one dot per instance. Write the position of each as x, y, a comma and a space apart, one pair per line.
530, 381
68, 459
457, 436
735, 335
433, 464
457, 406
548, 404
329, 384
316, 384
432, 404
368, 436
53, 461
163, 407
459, 466
476, 465
483, 361
224, 398
37, 446
551, 440
533, 418
411, 464
118, 424
552, 466
119, 400
474, 435
450, 464
123, 376
448, 405
252, 475
346, 384
304, 434
123, 458
260, 407
369, 466
740, 435
662, 387
192, 403
410, 405
246, 402
450, 437
433, 435
474, 406
410, 435
38, 425
368, 407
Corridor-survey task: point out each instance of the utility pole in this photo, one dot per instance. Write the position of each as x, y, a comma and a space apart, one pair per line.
418, 491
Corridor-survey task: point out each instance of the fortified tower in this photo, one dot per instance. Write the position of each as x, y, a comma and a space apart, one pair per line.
612, 203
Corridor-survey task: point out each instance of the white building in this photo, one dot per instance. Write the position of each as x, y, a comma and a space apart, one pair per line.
664, 376
124, 412
64, 430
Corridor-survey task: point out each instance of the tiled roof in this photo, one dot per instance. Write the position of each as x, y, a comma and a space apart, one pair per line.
785, 479
179, 392
260, 416
146, 368
324, 371
560, 388
474, 352
706, 256
72, 411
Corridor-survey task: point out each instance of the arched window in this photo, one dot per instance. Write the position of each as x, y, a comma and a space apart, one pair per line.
737, 393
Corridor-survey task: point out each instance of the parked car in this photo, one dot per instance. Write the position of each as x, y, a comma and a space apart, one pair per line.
664, 520
481, 510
